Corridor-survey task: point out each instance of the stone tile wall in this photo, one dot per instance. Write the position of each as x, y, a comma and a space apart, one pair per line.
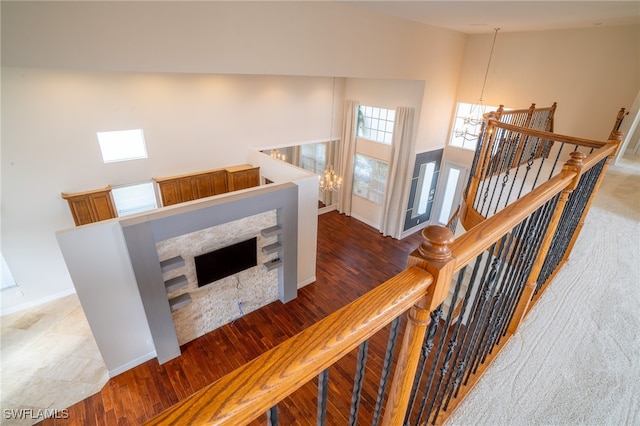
223, 301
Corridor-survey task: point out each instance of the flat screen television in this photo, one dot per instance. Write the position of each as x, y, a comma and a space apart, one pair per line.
229, 260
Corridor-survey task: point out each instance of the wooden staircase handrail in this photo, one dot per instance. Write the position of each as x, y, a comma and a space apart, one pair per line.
480, 237
475, 240
556, 137
251, 390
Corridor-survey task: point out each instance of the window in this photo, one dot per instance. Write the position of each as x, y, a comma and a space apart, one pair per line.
136, 198
424, 193
122, 145
376, 124
467, 124
369, 178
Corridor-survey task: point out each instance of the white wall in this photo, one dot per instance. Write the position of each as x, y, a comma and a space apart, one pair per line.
280, 172
199, 77
191, 123
591, 73
109, 294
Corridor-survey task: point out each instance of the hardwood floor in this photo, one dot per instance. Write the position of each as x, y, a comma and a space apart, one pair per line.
352, 259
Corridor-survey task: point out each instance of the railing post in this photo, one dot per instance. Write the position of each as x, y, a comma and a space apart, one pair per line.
575, 165
435, 257
616, 137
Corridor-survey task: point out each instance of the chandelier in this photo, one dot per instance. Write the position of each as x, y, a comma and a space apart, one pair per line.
276, 154
330, 181
470, 129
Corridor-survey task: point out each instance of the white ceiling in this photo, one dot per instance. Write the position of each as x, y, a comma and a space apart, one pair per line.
474, 17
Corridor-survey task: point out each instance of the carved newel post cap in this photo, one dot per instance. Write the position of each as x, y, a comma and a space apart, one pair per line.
435, 246
576, 158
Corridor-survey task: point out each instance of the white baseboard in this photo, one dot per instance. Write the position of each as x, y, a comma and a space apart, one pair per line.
307, 282
36, 302
130, 365
327, 209
366, 222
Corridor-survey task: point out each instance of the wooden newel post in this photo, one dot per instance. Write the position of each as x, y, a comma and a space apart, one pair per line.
433, 255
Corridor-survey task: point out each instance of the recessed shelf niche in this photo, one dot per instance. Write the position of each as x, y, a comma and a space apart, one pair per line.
180, 301
171, 264
272, 231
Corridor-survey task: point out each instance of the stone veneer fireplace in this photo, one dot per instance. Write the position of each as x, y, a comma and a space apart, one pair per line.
227, 299
269, 211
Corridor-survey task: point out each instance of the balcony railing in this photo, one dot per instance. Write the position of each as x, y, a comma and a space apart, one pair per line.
443, 319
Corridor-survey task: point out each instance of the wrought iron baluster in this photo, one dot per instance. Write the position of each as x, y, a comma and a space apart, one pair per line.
386, 369
357, 382
486, 297
451, 346
456, 373
272, 416
528, 257
427, 345
519, 163
569, 221
495, 301
473, 324
546, 150
528, 241
555, 163
323, 387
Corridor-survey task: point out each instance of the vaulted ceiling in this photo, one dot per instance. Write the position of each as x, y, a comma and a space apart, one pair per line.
473, 17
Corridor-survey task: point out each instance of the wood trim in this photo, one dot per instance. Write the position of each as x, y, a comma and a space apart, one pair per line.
192, 186
479, 238
556, 137
91, 206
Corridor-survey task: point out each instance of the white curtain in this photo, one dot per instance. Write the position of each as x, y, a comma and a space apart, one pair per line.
347, 153
399, 174
295, 155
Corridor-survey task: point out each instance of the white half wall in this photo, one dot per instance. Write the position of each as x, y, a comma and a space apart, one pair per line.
279, 171
98, 258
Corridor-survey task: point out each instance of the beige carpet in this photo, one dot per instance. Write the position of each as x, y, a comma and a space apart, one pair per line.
576, 357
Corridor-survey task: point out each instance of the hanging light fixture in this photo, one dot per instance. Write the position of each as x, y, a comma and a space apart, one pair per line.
330, 181
276, 154
470, 129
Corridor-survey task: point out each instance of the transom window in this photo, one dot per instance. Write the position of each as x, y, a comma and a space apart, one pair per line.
135, 198
376, 124
122, 145
370, 178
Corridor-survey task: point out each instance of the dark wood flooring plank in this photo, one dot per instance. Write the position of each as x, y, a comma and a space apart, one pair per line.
352, 259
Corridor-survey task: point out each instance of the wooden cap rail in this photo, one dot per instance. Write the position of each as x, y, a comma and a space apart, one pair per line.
556, 137
251, 390
480, 237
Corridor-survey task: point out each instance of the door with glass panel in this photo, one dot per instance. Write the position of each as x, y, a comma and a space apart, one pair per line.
450, 192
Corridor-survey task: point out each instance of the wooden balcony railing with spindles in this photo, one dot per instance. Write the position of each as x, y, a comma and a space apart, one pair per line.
460, 301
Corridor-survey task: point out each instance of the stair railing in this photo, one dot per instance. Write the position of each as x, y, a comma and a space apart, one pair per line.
500, 269
511, 161
489, 278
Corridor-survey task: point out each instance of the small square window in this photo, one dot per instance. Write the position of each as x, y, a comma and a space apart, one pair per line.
376, 124
122, 145
136, 198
